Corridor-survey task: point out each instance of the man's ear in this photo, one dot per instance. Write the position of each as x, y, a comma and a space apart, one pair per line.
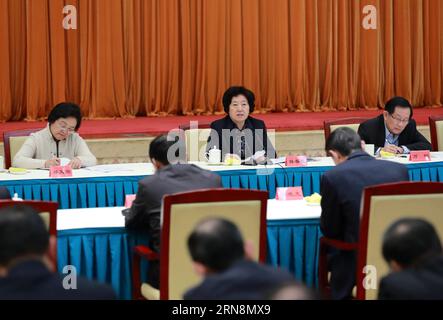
3, 272
51, 253
395, 266
363, 144
200, 268
154, 163
337, 156
249, 250
385, 114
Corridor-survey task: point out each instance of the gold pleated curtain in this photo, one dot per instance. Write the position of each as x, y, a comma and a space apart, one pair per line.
159, 57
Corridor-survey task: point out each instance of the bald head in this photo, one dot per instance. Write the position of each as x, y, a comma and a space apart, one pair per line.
409, 241
216, 243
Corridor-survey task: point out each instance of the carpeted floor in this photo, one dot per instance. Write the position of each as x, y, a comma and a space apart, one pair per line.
156, 125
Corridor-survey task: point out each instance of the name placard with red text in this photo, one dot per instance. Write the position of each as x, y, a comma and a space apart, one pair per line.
296, 161
290, 193
129, 199
60, 171
419, 155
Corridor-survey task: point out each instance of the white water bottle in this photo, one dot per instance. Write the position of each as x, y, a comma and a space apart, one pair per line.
16, 198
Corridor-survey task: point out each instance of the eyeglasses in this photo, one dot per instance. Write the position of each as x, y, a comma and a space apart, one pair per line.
404, 121
64, 126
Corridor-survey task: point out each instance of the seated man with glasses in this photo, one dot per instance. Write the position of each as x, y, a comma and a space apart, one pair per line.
59, 139
394, 131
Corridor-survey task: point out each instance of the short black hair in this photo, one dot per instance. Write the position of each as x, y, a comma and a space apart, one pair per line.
216, 243
22, 232
236, 91
409, 241
344, 140
397, 102
66, 110
159, 149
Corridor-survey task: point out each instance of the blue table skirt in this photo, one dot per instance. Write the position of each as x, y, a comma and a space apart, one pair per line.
111, 191
105, 254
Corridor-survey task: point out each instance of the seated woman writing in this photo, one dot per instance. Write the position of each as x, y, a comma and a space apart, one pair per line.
59, 139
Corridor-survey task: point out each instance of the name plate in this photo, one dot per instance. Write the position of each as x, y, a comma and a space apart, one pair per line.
129, 199
296, 161
290, 193
60, 171
419, 155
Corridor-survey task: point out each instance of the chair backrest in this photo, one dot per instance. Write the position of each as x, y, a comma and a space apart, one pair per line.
195, 139
331, 125
181, 212
382, 205
436, 128
13, 141
48, 212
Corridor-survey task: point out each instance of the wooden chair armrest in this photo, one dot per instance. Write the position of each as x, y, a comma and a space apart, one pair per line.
325, 242
338, 244
139, 252
146, 252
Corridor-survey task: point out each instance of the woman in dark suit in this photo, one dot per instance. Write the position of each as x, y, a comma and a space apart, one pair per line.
239, 133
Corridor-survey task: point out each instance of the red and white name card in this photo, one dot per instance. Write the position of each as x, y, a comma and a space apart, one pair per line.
60, 171
129, 199
290, 193
419, 155
296, 161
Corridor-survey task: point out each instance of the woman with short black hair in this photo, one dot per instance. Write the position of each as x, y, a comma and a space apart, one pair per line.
59, 139
239, 133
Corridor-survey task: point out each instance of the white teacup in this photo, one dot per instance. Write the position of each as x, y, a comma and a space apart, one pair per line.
213, 155
370, 149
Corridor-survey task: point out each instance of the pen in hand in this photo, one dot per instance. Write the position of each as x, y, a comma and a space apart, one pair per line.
54, 161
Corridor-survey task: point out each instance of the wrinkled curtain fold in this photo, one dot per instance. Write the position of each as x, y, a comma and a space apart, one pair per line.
132, 58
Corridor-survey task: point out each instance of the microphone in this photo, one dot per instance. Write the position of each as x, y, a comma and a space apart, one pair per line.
284, 170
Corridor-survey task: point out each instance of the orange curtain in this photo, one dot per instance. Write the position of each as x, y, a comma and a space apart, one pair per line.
158, 57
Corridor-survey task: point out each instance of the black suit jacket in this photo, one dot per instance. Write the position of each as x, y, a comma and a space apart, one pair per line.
4, 193
372, 131
341, 189
245, 280
144, 214
31, 280
256, 137
423, 282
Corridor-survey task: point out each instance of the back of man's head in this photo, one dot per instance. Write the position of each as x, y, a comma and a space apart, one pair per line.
409, 241
216, 243
22, 233
165, 149
343, 140
292, 291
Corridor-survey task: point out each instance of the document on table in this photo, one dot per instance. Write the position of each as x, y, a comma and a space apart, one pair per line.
108, 168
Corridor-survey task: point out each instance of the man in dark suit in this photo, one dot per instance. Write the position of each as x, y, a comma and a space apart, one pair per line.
239, 133
394, 131
219, 254
169, 178
413, 250
25, 269
4, 193
341, 189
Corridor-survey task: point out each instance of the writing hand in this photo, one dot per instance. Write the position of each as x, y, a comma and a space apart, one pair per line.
75, 163
52, 162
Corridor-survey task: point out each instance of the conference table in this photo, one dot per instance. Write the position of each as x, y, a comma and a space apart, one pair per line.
95, 242
293, 242
107, 185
